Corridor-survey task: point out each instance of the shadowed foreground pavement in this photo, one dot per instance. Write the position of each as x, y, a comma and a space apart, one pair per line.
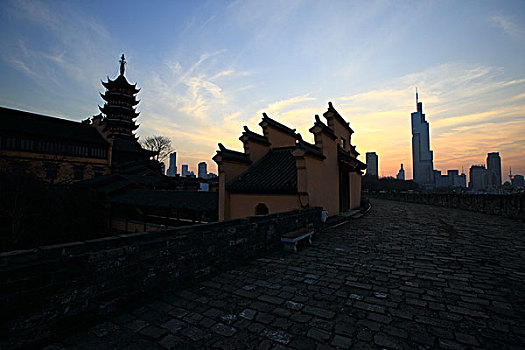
403, 276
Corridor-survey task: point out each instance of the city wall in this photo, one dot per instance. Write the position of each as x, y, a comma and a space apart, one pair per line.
511, 205
47, 291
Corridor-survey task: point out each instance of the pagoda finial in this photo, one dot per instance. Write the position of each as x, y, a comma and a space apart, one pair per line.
417, 97
122, 64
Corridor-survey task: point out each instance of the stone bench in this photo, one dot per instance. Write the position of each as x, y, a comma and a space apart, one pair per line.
291, 239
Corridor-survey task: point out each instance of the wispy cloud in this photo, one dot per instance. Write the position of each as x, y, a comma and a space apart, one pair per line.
509, 26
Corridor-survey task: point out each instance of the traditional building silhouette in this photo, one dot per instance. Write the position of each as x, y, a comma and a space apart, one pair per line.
117, 123
422, 156
60, 151
279, 171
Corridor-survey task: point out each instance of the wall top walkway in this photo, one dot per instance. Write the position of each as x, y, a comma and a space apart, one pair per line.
403, 276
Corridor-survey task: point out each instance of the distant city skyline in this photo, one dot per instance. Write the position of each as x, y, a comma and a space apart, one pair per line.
205, 69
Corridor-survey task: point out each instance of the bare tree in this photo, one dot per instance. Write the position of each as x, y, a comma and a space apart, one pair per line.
158, 143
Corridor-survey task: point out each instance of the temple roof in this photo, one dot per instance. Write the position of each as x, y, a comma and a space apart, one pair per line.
231, 155
40, 126
276, 172
254, 136
318, 123
348, 162
339, 117
112, 109
121, 82
308, 148
119, 96
277, 125
130, 145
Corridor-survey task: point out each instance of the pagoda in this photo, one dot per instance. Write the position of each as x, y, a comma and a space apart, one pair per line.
119, 109
117, 123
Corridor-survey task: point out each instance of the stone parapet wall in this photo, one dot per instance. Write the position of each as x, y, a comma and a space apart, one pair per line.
48, 290
511, 206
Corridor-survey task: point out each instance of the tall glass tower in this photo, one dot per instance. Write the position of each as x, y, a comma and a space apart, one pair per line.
422, 156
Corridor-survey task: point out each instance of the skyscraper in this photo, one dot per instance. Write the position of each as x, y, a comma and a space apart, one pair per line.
184, 171
172, 169
494, 169
422, 156
401, 173
478, 177
203, 171
372, 164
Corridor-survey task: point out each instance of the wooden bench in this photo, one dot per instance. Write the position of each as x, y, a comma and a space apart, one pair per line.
290, 239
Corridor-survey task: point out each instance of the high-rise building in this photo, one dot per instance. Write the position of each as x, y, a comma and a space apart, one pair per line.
478, 177
422, 156
372, 164
184, 172
493, 169
172, 169
401, 173
518, 181
203, 170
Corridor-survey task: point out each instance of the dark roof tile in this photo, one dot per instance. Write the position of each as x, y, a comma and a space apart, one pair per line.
41, 126
276, 172
234, 156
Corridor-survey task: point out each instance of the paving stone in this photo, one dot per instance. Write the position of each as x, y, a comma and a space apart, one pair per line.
450, 344
355, 297
136, 325
318, 312
300, 317
271, 299
193, 333
103, 329
153, 332
369, 307
293, 305
318, 334
178, 312
248, 314
224, 330
379, 318
170, 342
341, 342
228, 318
467, 339
277, 336
264, 317
358, 285
387, 341
282, 312
173, 325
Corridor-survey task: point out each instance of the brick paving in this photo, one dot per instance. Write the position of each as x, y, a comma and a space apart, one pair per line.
404, 276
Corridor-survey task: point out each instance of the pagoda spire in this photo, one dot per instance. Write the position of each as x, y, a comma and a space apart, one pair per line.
417, 96
122, 64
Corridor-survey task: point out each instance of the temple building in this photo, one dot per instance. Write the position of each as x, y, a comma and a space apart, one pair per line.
422, 156
279, 171
62, 151
117, 123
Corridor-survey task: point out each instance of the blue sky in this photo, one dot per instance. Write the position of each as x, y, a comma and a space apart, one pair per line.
208, 68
